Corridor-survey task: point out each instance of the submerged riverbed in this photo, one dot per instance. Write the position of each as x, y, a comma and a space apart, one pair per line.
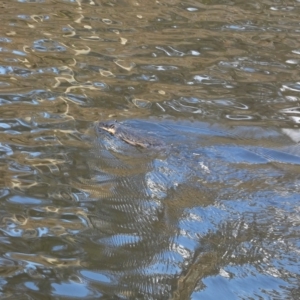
214, 213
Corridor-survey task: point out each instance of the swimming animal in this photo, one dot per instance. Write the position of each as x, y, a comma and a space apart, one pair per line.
129, 135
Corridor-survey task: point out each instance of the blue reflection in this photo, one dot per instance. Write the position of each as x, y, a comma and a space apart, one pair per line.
96, 276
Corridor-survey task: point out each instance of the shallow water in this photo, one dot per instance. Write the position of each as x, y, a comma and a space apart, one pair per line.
214, 214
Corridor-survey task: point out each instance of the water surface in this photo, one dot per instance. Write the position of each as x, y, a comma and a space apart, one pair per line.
214, 214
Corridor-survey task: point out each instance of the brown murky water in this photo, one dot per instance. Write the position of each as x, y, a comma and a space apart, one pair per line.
214, 214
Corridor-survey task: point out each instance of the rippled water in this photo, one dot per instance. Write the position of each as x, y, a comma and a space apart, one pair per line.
214, 213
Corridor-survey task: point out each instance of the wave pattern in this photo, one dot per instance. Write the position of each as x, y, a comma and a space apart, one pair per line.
190, 209
214, 213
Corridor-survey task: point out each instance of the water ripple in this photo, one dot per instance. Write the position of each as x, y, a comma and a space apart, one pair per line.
213, 213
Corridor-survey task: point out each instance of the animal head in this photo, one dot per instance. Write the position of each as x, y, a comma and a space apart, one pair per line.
108, 126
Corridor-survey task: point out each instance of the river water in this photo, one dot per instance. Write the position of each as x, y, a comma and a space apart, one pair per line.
214, 213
